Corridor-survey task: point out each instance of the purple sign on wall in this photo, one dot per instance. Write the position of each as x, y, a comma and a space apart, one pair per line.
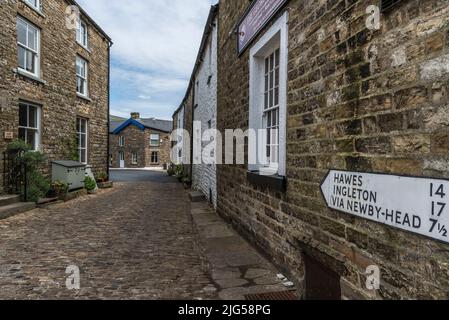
259, 14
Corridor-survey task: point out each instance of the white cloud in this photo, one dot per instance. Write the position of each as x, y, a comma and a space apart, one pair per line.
155, 46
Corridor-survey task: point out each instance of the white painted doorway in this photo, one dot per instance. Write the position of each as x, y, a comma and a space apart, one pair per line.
122, 159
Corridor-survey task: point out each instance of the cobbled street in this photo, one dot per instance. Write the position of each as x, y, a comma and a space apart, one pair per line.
135, 241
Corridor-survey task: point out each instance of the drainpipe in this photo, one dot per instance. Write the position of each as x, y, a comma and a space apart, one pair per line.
109, 109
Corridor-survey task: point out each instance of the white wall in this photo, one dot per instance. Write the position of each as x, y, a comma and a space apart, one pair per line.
204, 176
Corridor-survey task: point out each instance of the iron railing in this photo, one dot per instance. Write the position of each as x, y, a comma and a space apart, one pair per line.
15, 175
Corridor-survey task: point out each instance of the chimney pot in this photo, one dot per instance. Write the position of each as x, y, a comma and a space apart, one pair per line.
135, 115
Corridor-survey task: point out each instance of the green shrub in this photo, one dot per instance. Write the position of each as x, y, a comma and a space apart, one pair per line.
179, 170
60, 188
37, 186
89, 184
17, 146
102, 177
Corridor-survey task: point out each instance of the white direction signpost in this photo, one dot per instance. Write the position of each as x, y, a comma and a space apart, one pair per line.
418, 205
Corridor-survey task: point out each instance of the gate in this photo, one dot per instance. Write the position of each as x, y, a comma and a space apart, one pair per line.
15, 180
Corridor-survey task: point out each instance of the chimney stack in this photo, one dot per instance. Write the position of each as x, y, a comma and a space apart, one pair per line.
135, 115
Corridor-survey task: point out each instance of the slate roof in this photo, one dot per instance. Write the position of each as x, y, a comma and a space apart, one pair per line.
156, 124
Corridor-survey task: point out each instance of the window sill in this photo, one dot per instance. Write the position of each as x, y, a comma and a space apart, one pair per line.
275, 182
84, 47
29, 76
39, 12
79, 95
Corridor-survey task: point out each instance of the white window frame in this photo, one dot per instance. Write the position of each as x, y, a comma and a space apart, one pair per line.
134, 158
275, 37
36, 53
37, 129
79, 134
84, 77
82, 39
157, 157
37, 6
152, 140
121, 141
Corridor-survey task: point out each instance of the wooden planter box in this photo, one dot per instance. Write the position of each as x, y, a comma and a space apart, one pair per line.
105, 185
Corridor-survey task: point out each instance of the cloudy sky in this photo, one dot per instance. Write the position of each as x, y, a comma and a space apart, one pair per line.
155, 46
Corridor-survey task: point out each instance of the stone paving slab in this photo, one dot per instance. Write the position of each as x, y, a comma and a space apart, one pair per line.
236, 268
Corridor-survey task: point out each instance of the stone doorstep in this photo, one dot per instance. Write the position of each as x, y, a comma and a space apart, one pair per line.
15, 209
9, 199
197, 196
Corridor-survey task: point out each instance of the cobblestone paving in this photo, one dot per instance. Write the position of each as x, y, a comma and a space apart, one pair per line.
135, 241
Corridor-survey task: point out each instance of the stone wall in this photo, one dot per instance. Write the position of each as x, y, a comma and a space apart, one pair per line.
138, 141
134, 143
359, 100
204, 175
57, 93
163, 149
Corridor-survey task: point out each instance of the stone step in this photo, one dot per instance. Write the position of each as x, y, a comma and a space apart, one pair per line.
15, 209
9, 199
196, 196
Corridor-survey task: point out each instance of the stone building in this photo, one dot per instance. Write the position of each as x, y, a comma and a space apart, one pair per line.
183, 127
139, 143
54, 81
349, 92
205, 107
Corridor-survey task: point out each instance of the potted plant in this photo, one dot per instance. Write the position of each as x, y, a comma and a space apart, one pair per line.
59, 190
90, 185
102, 181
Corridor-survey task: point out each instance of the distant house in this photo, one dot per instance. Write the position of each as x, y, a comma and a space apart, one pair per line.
139, 143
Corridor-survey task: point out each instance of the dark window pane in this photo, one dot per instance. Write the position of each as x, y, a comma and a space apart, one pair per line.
22, 134
32, 117
23, 116
83, 141
31, 138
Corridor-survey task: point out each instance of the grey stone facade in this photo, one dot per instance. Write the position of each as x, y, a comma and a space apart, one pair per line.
54, 89
137, 150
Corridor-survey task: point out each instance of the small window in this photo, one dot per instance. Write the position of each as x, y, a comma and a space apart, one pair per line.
81, 128
35, 4
154, 140
134, 158
81, 76
28, 47
81, 33
154, 157
29, 124
111, 160
121, 141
